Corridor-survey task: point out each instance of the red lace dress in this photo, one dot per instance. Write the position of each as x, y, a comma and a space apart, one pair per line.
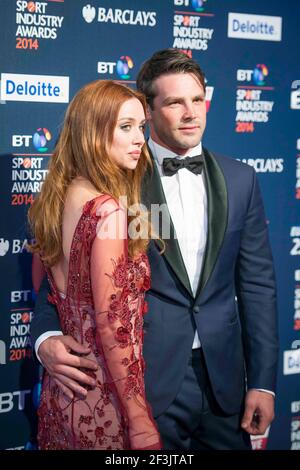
103, 308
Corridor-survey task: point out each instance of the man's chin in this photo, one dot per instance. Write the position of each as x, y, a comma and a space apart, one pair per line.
188, 143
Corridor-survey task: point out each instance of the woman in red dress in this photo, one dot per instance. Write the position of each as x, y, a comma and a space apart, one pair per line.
98, 275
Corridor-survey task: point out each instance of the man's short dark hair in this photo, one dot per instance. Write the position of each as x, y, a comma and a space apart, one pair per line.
164, 62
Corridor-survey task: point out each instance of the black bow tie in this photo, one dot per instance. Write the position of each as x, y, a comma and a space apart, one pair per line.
172, 165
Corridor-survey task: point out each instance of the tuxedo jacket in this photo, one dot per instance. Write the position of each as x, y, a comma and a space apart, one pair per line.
234, 309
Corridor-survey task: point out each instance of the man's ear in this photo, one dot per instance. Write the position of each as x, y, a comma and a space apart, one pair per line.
148, 113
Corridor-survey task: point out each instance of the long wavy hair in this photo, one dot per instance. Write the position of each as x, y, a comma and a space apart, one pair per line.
83, 150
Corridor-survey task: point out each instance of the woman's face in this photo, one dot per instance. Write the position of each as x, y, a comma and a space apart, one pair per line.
128, 137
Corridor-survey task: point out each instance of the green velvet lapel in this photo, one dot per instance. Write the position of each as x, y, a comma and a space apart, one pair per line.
217, 216
153, 194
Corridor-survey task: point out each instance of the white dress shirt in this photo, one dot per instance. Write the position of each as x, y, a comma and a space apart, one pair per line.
187, 203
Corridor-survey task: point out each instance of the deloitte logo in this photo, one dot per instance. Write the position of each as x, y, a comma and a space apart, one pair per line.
40, 139
256, 27
124, 64
36, 88
259, 74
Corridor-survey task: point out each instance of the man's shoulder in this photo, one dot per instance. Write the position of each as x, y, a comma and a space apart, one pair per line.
230, 164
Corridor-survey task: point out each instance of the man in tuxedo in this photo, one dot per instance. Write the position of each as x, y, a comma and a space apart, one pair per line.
211, 340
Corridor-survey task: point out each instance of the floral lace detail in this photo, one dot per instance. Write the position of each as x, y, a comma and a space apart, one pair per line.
101, 420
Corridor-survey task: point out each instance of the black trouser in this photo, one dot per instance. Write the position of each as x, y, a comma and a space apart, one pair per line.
194, 421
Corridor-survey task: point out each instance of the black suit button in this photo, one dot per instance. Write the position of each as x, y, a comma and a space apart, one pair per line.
196, 309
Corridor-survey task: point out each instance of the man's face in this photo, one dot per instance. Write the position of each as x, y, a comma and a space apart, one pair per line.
178, 118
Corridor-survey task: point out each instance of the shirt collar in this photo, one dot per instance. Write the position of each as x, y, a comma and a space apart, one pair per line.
159, 152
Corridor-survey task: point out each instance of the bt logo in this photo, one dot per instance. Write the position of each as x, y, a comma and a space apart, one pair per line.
124, 64
39, 139
122, 67
258, 75
20, 296
197, 5
7, 401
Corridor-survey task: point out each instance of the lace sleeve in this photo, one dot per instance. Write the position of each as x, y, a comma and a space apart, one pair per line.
115, 301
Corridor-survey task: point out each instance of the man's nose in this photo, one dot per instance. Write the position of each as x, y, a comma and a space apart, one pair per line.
189, 111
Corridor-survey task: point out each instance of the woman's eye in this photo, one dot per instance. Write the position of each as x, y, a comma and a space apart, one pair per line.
126, 127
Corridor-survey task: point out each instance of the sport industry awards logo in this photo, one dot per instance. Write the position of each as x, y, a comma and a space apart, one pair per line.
251, 105
189, 32
34, 23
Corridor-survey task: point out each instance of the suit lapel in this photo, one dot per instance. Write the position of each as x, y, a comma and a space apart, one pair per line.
217, 216
153, 193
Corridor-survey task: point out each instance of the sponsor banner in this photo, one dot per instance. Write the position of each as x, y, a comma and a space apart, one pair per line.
118, 16
291, 362
122, 69
295, 433
40, 140
260, 441
19, 335
258, 27
35, 88
297, 300
295, 95
209, 91
297, 187
252, 103
33, 23
295, 235
28, 173
17, 400
14, 247
2, 352
265, 164
190, 28
295, 407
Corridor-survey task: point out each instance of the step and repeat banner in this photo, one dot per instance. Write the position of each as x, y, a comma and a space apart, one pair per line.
249, 51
